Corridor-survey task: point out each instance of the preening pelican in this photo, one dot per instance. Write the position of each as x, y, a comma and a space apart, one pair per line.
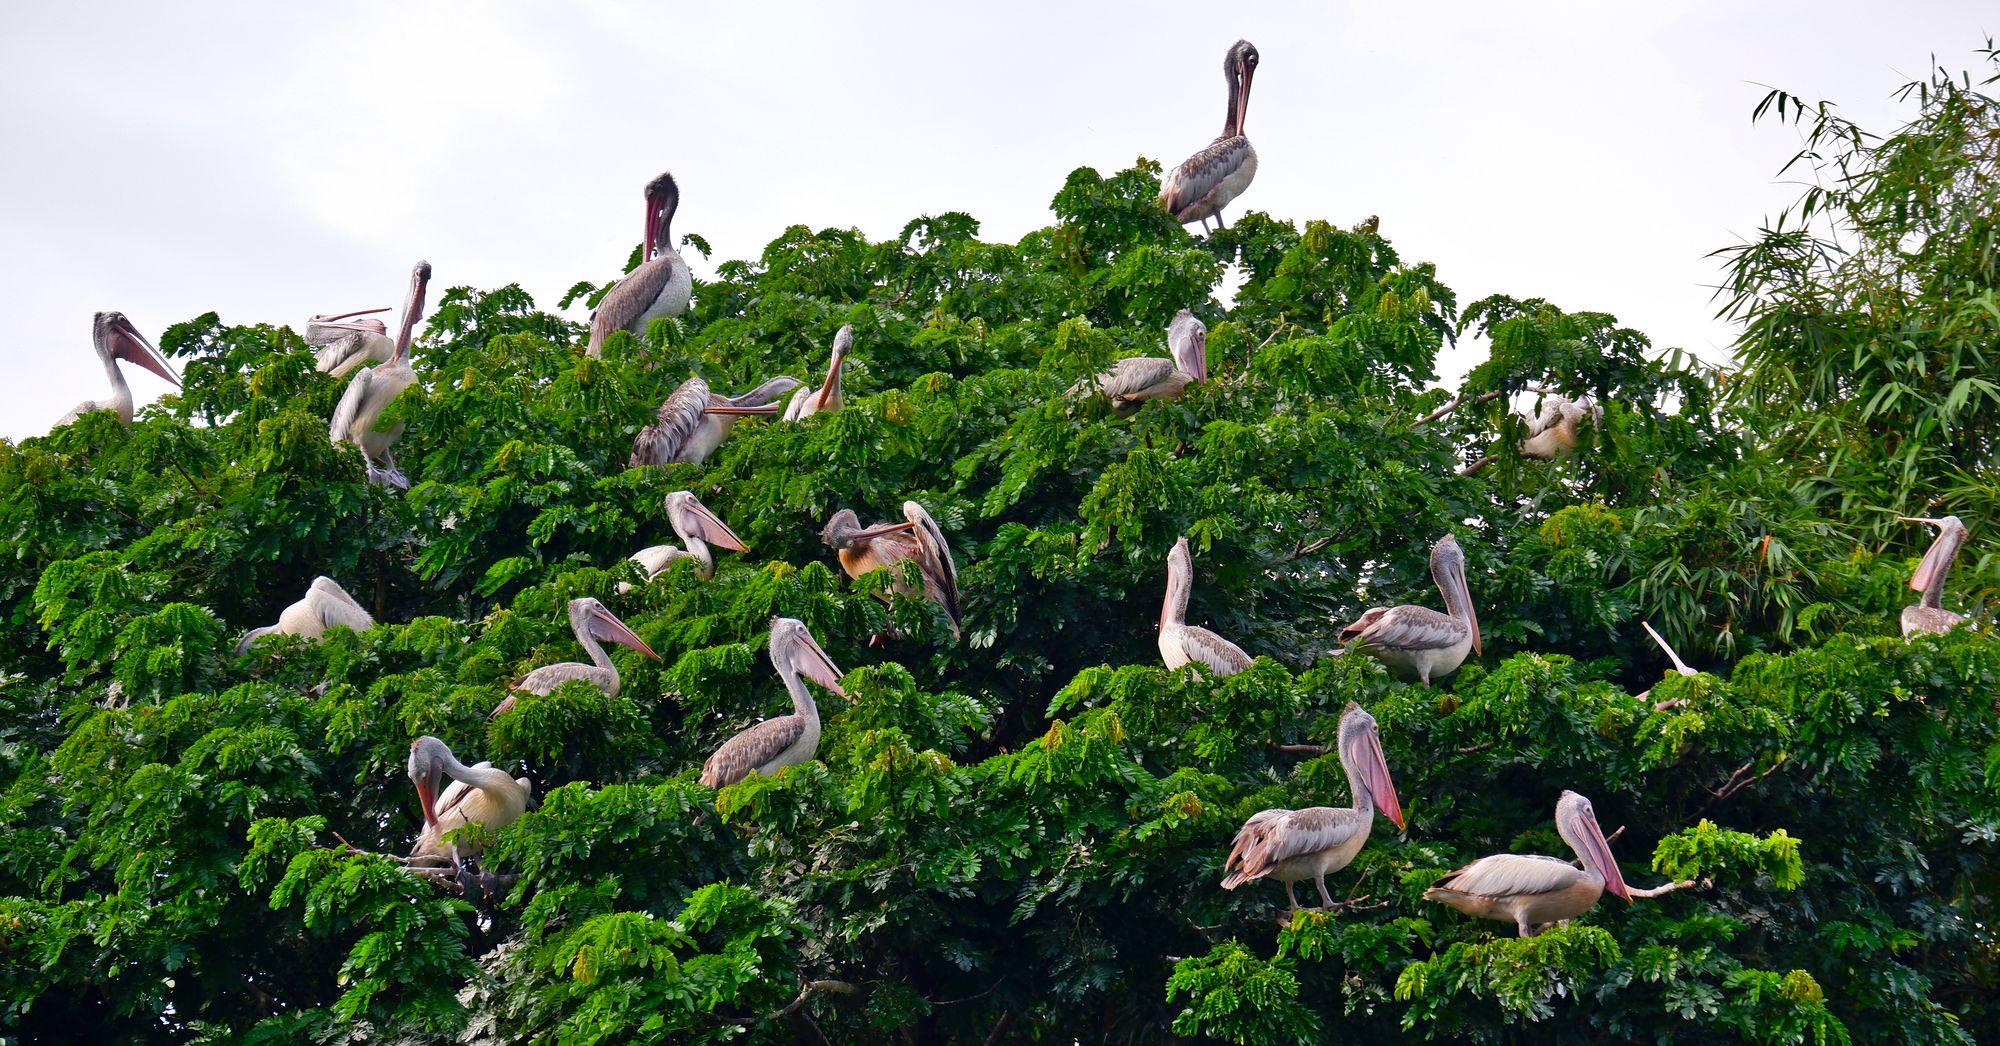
345, 343
325, 605
1418, 642
371, 391
1928, 614
863, 549
1290, 845
1181, 642
1204, 183
1532, 891
660, 287
481, 793
785, 740
115, 338
694, 421
593, 624
698, 528
808, 402
1551, 434
1131, 382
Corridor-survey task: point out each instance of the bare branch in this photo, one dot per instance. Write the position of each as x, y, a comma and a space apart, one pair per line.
807, 992
1300, 749
1671, 887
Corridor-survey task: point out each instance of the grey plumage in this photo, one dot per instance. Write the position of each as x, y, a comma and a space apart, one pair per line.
661, 287
781, 741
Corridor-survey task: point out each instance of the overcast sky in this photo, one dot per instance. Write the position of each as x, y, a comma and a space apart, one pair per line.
268, 161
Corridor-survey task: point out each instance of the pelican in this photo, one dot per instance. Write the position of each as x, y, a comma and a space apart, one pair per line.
1534, 891
886, 544
1131, 382
592, 623
1204, 183
1926, 615
1418, 642
785, 740
1181, 642
117, 339
481, 793
373, 389
325, 605
1552, 433
698, 528
346, 343
808, 402
660, 287
1290, 845
694, 421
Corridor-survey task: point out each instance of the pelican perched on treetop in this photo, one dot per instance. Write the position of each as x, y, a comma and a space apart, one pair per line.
345, 343
785, 740
481, 794
1552, 433
660, 287
693, 421
371, 391
863, 549
1928, 614
592, 624
1418, 642
1181, 642
324, 605
1290, 845
698, 528
1132, 381
1204, 183
1532, 891
115, 338
807, 402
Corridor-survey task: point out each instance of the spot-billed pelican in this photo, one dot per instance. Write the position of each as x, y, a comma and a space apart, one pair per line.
698, 528
1132, 381
324, 605
785, 740
660, 287
1532, 891
1418, 642
863, 549
593, 625
481, 794
1928, 614
1181, 642
115, 338
1204, 183
807, 402
371, 391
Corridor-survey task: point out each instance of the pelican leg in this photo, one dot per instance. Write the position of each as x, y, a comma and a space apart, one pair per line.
1527, 929
1292, 898
1218, 219
1325, 899
1204, 227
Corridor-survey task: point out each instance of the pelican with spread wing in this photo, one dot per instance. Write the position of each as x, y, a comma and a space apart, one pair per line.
694, 421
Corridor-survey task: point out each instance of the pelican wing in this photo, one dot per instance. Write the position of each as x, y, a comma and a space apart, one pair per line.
1201, 174
349, 410
341, 349
335, 607
1411, 627
628, 300
1134, 378
1223, 657
548, 677
740, 756
1510, 875
934, 560
1271, 837
658, 558
676, 422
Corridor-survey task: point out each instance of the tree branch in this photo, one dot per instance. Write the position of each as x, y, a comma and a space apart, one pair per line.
811, 988
1671, 887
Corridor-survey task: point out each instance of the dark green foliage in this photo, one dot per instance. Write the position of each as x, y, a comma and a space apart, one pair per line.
1018, 837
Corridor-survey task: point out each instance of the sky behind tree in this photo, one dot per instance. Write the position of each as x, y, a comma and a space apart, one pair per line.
269, 162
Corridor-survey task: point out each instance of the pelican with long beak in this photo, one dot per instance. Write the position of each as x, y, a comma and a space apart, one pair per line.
324, 605
1553, 433
593, 626
807, 402
693, 421
698, 529
660, 287
1532, 891
371, 391
1132, 381
345, 342
1290, 845
1204, 183
1928, 614
1418, 642
117, 339
864, 549
785, 740
1181, 642
479, 794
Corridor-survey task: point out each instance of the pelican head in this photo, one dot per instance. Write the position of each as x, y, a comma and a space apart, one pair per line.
429, 759
118, 339
413, 308
795, 652
694, 522
1951, 534
843, 340
1238, 66
1361, 750
663, 196
589, 617
1187, 338
1576, 822
1448, 570
844, 530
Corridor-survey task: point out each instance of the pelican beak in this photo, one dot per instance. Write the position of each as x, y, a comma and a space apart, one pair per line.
878, 530
348, 315
1375, 774
607, 628
426, 777
1247, 72
710, 528
1453, 569
413, 307
129, 344
1937, 559
1598, 853
768, 408
818, 667
832, 377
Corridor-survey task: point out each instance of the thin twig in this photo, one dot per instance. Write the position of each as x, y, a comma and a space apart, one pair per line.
1475, 467
807, 992
1300, 749
1460, 401
1475, 749
1307, 549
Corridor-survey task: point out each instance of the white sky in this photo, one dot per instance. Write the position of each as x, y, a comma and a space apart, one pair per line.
268, 161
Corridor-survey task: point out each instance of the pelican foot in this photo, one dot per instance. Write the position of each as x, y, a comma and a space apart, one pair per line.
389, 477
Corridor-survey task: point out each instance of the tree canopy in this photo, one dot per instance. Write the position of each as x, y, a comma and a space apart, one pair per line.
1018, 835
